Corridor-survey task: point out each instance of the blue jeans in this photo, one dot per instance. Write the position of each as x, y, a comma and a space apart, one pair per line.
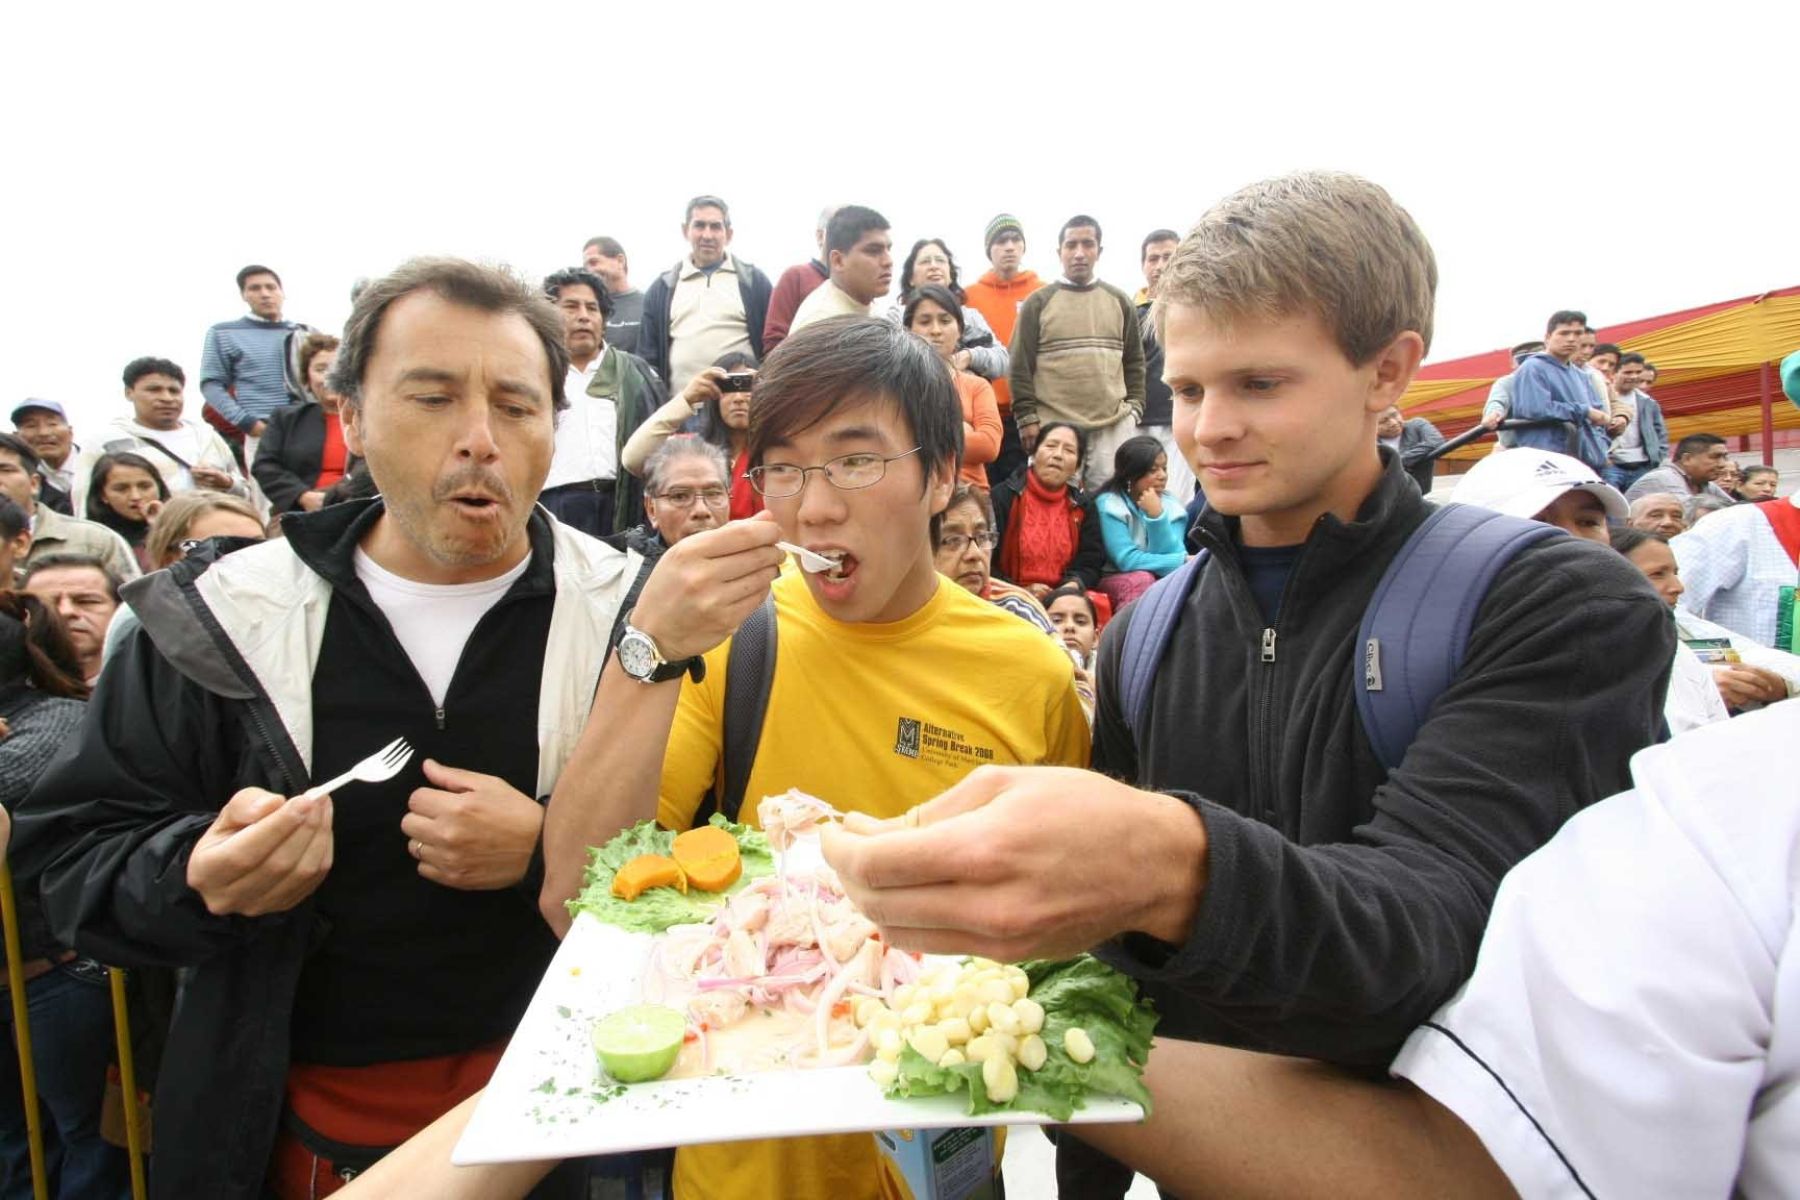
1623, 476
70, 1010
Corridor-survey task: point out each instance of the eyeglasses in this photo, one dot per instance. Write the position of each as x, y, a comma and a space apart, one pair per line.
956, 543
846, 472
714, 497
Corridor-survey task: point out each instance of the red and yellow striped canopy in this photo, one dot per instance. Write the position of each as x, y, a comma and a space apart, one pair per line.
1708, 362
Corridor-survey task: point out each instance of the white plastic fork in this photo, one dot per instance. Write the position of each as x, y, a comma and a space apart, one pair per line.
379, 767
810, 560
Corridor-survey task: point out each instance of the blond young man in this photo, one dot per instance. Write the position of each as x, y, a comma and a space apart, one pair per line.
1294, 894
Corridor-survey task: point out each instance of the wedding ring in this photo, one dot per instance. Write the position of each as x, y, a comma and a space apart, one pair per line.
416, 848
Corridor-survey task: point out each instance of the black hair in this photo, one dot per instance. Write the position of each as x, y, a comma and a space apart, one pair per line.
1628, 541
1630, 356
13, 520
573, 276
1135, 458
1046, 428
1761, 469
1076, 221
1564, 316
71, 560
912, 257
1697, 443
939, 295
35, 646
20, 448
711, 424
1606, 348
1076, 590
843, 361
244, 275
1153, 237
137, 368
849, 224
608, 246
97, 507
707, 202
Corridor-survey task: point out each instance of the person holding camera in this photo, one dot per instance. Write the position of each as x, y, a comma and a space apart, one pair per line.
715, 405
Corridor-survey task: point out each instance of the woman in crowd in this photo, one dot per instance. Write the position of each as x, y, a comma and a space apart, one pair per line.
125, 493
194, 517
977, 350
1730, 479
302, 452
1076, 620
68, 1001
1143, 525
933, 314
185, 521
1047, 532
962, 538
963, 541
717, 401
1746, 673
1759, 483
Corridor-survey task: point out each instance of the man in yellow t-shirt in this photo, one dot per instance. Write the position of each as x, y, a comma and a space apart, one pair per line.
891, 683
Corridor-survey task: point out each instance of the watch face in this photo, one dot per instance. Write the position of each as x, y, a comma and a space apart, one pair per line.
637, 655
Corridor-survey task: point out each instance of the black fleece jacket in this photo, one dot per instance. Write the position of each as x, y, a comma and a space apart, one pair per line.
1344, 903
179, 724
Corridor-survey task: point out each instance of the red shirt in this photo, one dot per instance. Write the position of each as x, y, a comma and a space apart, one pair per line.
332, 462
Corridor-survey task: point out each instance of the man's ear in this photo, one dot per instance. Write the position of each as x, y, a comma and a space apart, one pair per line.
1395, 365
943, 483
351, 416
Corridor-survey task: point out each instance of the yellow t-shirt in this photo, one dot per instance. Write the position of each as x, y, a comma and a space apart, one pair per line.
875, 719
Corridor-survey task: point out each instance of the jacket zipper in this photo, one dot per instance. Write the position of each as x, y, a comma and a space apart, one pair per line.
1268, 645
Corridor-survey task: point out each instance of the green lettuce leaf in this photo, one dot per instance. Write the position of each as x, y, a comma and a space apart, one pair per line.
658, 908
1081, 993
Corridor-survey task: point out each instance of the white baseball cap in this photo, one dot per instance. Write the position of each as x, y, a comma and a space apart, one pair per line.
1522, 482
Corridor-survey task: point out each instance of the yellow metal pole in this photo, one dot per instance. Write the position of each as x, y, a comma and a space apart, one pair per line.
15, 980
134, 1126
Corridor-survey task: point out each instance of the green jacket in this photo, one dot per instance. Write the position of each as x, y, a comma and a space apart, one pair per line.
636, 392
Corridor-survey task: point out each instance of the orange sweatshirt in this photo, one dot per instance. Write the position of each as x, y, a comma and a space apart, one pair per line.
981, 427
999, 301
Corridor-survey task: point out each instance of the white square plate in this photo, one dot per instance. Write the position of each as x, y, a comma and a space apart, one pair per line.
549, 1099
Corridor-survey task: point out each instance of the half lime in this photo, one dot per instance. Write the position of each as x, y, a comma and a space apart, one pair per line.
639, 1043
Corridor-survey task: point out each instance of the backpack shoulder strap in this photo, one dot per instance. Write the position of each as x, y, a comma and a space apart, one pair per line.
749, 677
1416, 627
1153, 618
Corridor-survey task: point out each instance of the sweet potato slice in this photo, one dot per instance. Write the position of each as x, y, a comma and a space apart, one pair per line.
709, 857
647, 871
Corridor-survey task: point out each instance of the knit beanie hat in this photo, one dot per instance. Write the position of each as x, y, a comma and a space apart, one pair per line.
1004, 223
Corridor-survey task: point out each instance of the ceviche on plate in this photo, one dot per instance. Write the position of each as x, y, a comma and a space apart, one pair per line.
718, 984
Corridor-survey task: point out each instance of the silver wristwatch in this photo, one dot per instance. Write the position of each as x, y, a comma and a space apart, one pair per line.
644, 662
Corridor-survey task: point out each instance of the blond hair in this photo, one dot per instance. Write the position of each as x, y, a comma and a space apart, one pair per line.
178, 514
1318, 242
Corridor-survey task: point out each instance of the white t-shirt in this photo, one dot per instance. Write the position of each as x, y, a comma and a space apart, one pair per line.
1634, 1016
433, 620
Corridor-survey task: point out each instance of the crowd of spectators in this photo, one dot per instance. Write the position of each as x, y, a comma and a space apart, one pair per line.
530, 526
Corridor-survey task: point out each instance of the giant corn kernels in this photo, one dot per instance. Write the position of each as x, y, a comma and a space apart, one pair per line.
1033, 1052
1000, 1078
1080, 1047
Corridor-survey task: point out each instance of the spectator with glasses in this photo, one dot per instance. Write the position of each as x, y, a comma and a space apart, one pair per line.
686, 489
976, 350
963, 545
889, 682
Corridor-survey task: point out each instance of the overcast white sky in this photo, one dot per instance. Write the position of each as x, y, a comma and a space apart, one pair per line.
1596, 155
